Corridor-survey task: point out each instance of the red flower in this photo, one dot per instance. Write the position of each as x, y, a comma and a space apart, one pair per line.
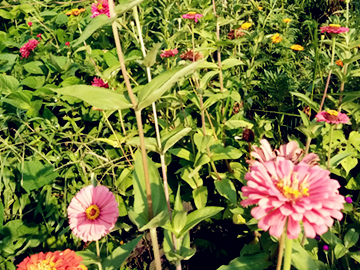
28, 47
192, 16
30, 24
99, 83
67, 43
169, 52
39, 36
332, 117
334, 29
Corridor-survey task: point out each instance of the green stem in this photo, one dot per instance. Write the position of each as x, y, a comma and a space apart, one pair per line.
155, 245
329, 150
98, 254
333, 50
347, 14
307, 145
281, 250
288, 252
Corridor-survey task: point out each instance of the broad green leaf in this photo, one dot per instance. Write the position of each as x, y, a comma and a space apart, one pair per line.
175, 137
197, 216
186, 173
248, 262
313, 105
119, 255
304, 118
351, 238
99, 97
218, 152
125, 5
355, 255
8, 84
160, 84
179, 221
300, 259
182, 153
36, 175
352, 59
231, 62
34, 82
215, 98
150, 57
88, 257
94, 25
34, 67
8, 60
335, 160
178, 203
340, 250
227, 189
235, 124
159, 220
201, 159
20, 99
206, 78
330, 238
1, 214
200, 195
202, 142
6, 15
150, 143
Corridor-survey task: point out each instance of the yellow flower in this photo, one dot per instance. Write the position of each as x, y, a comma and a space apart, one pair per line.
276, 38
260, 8
286, 20
245, 26
297, 47
75, 11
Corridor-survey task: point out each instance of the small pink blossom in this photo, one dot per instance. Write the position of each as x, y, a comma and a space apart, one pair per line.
39, 36
288, 193
334, 29
100, 7
332, 117
26, 49
192, 16
67, 43
169, 52
30, 24
289, 151
99, 83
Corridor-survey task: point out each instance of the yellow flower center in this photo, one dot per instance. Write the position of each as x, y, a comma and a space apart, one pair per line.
192, 13
332, 112
43, 265
92, 212
335, 25
291, 188
100, 7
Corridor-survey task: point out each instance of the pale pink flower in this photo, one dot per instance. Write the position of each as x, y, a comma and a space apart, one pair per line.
99, 83
192, 16
26, 49
290, 151
288, 193
334, 29
169, 52
332, 117
100, 7
92, 213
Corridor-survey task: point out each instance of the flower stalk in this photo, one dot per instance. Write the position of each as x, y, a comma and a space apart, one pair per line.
98, 254
330, 141
288, 252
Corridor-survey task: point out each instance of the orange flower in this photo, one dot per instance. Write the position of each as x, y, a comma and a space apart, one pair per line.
297, 47
339, 63
75, 11
286, 20
66, 259
276, 38
260, 8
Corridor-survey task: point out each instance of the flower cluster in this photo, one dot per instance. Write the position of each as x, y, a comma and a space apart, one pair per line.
334, 29
26, 49
92, 213
75, 12
192, 16
100, 7
332, 117
192, 56
169, 53
297, 47
276, 38
58, 260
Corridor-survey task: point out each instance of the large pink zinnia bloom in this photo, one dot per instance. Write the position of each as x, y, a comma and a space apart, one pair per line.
288, 193
93, 213
290, 151
100, 7
99, 83
192, 16
332, 117
334, 29
26, 49
169, 53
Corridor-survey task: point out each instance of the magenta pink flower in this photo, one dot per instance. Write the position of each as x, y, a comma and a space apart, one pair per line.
67, 43
169, 52
192, 16
26, 49
30, 24
287, 193
334, 29
100, 7
290, 151
99, 83
93, 213
39, 35
332, 117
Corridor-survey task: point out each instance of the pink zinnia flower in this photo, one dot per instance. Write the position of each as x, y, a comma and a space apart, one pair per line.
287, 193
290, 151
99, 83
39, 36
169, 52
26, 49
334, 29
332, 117
100, 7
67, 43
92, 213
29, 24
192, 16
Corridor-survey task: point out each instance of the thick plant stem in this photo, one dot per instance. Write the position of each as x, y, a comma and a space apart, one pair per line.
307, 145
281, 251
288, 252
155, 245
98, 254
342, 88
329, 150
347, 14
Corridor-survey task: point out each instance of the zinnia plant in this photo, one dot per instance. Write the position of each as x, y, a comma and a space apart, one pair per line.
276, 38
332, 117
58, 260
26, 49
100, 7
334, 29
169, 53
192, 16
92, 213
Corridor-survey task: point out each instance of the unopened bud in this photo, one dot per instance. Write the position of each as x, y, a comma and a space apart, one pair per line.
248, 135
238, 219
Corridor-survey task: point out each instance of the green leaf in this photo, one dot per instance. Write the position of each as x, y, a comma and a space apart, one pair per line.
158, 86
207, 77
1, 214
10, 61
119, 255
150, 57
36, 175
313, 105
182, 153
125, 5
94, 25
178, 203
99, 97
33, 82
34, 67
8, 84
197, 216
200, 195
340, 250
175, 136
179, 221
88, 257
351, 238
20, 99
227, 189
300, 259
235, 124
355, 256
231, 62
150, 143
352, 59
159, 220
218, 152
248, 262
335, 160
330, 238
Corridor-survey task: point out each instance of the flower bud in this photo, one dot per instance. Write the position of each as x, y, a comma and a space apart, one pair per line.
238, 219
248, 135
